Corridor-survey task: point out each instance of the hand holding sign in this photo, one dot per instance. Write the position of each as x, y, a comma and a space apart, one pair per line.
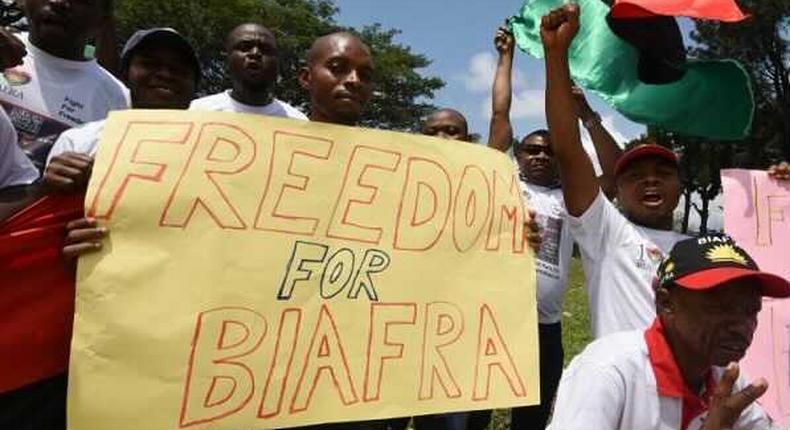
287, 273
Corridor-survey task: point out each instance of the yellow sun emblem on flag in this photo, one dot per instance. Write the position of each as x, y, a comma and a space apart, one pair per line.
725, 254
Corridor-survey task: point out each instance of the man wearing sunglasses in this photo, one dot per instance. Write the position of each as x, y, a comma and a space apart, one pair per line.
542, 193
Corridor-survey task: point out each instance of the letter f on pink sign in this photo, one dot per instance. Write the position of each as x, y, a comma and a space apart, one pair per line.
772, 209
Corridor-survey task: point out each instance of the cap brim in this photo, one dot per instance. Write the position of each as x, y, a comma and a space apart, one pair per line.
770, 285
641, 152
168, 36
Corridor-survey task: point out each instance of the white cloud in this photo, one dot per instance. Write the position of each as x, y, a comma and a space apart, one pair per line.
526, 104
619, 137
479, 75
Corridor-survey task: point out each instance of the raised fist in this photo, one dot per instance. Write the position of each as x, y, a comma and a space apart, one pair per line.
559, 27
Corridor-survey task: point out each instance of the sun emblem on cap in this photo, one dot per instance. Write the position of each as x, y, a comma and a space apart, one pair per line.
667, 270
725, 253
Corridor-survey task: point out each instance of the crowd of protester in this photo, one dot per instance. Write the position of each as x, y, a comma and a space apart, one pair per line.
670, 321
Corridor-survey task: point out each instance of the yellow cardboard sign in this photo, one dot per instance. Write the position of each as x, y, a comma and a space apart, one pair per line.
269, 273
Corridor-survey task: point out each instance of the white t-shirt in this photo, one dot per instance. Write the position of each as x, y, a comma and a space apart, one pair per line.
83, 139
15, 167
620, 261
47, 95
554, 258
223, 102
630, 381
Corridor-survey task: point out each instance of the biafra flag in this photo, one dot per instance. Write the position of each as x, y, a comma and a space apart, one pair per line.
635, 60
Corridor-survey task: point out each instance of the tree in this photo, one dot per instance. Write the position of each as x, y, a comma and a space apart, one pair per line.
700, 163
402, 95
761, 44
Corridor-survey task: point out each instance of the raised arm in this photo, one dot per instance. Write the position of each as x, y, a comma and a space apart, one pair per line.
500, 135
579, 184
605, 146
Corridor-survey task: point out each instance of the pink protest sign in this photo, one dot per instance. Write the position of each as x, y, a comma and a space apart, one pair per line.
757, 216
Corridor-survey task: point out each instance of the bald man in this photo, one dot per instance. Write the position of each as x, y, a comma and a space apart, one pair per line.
339, 78
447, 124
253, 67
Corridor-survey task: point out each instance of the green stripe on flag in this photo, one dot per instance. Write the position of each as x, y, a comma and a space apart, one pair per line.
714, 98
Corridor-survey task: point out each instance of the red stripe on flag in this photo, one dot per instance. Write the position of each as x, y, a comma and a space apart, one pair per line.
36, 292
718, 10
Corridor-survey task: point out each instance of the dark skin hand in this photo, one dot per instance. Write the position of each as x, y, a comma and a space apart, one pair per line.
726, 407
68, 172
780, 172
12, 50
83, 236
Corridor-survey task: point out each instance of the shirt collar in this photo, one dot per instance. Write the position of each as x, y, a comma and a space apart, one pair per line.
669, 379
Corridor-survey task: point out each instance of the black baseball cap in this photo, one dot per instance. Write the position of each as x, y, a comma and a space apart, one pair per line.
705, 262
159, 35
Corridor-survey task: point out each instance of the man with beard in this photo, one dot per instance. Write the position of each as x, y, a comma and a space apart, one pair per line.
682, 372
253, 67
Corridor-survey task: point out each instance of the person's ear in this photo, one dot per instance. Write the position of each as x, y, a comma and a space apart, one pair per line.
305, 78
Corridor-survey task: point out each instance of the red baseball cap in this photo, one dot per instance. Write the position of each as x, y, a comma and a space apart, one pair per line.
705, 262
641, 151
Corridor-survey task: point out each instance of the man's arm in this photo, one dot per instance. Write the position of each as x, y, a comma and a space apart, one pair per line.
500, 135
579, 183
605, 146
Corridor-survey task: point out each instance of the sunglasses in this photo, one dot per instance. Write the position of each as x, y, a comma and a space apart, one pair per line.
537, 149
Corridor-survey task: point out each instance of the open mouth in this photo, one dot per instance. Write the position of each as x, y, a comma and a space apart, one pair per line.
652, 199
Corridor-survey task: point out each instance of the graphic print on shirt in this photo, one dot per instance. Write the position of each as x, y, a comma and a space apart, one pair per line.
36, 131
648, 258
548, 257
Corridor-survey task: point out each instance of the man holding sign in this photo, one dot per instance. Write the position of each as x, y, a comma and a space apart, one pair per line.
324, 323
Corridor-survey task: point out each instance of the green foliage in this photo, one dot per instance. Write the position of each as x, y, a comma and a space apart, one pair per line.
402, 94
761, 44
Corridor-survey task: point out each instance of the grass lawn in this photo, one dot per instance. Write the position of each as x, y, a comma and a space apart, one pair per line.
575, 329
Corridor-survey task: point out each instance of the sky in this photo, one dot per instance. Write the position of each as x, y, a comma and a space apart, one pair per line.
459, 38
